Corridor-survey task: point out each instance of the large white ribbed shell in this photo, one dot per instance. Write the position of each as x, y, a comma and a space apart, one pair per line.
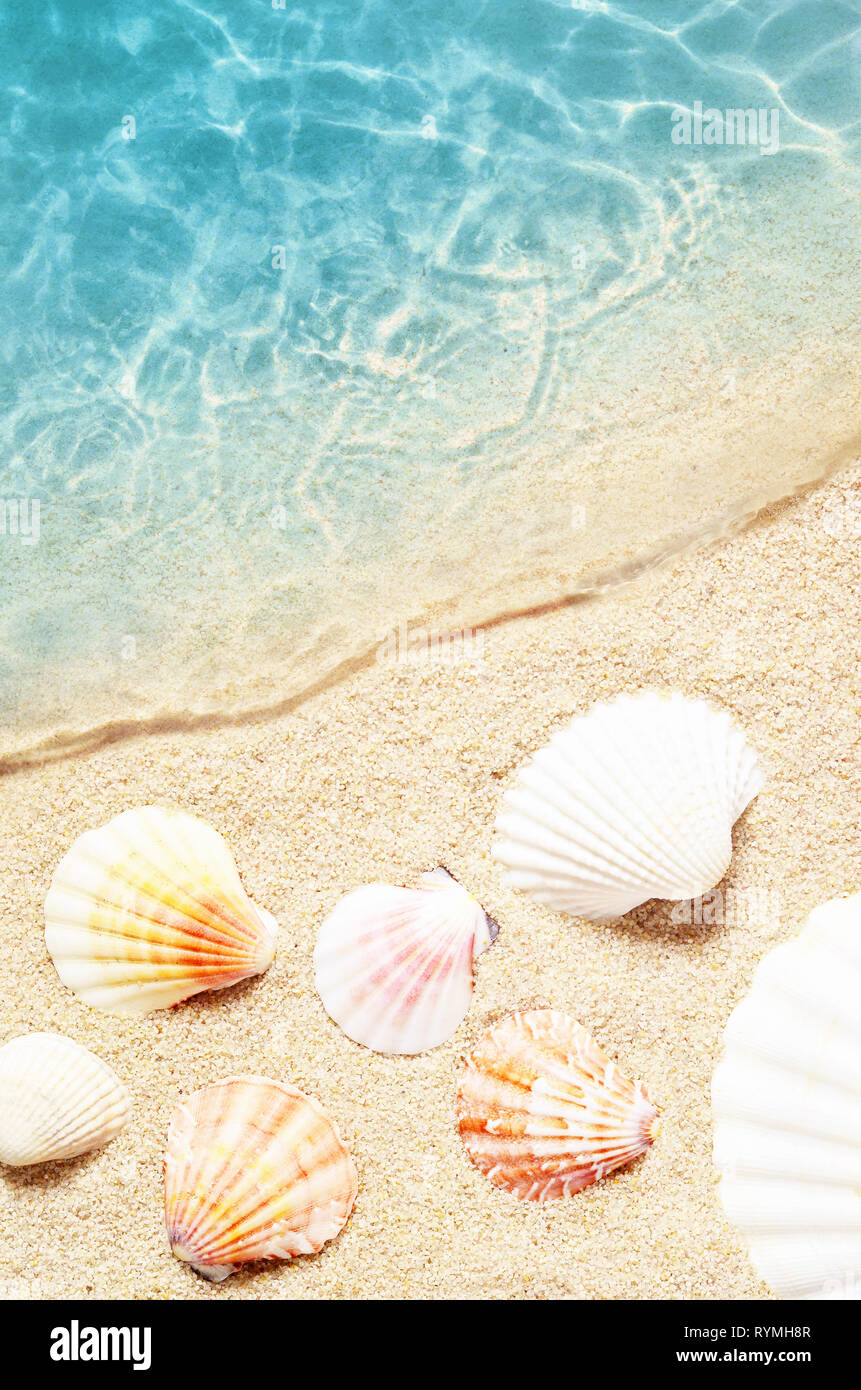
786, 1098
543, 1112
634, 800
393, 966
149, 909
57, 1100
254, 1170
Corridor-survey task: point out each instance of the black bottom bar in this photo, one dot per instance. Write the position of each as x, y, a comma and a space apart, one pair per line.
263, 1339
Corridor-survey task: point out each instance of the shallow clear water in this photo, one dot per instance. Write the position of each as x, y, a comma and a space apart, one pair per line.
329, 317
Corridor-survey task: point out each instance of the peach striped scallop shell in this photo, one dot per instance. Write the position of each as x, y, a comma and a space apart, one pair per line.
148, 910
254, 1170
544, 1113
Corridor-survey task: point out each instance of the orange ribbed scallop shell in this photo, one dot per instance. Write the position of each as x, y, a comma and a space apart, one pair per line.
255, 1170
543, 1112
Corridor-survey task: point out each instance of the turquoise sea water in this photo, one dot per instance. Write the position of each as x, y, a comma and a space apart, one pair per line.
324, 317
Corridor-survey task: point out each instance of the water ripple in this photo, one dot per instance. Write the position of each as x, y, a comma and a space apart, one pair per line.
301, 298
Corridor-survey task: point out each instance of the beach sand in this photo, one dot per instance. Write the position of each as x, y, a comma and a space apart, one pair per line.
402, 767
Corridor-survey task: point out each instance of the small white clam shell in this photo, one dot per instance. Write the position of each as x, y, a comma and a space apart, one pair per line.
393, 966
786, 1100
57, 1100
634, 800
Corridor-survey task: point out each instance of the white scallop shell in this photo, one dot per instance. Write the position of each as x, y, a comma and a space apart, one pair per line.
634, 800
148, 910
786, 1098
393, 966
56, 1100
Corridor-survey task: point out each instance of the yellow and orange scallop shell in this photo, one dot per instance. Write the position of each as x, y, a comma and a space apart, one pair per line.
543, 1112
254, 1170
148, 910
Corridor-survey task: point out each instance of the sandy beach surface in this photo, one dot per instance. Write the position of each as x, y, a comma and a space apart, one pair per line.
389, 773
